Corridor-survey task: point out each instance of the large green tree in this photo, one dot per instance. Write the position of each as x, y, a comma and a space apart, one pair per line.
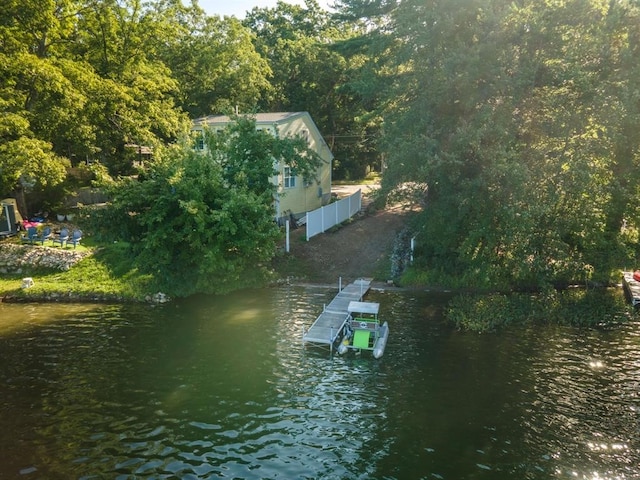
31, 82
511, 123
133, 101
311, 73
83, 79
203, 221
216, 64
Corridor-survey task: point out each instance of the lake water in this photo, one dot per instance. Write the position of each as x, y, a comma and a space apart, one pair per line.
222, 387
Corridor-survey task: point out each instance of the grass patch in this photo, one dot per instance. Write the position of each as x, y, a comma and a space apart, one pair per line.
107, 274
372, 178
285, 265
382, 270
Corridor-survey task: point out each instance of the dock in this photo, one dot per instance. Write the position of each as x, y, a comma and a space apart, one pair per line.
329, 324
631, 288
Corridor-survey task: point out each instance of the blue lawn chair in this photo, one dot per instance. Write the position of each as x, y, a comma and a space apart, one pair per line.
31, 236
75, 238
45, 235
62, 238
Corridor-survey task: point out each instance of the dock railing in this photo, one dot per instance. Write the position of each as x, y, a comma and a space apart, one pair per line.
323, 218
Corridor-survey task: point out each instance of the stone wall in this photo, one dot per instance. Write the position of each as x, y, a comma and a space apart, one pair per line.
15, 259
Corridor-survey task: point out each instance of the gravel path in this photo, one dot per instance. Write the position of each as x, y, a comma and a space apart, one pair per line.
359, 249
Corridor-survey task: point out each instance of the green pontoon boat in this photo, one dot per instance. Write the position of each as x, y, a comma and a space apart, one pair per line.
363, 330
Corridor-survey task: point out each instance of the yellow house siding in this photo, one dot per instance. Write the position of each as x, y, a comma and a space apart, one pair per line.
305, 196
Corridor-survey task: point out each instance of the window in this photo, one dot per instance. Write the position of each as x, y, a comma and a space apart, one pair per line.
289, 177
199, 141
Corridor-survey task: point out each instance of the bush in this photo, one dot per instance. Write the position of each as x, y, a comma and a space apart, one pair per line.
574, 307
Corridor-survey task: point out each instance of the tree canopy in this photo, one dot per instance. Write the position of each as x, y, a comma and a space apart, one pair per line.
204, 221
510, 122
514, 124
311, 73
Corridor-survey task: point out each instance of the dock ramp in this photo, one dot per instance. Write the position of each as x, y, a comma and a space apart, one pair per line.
329, 324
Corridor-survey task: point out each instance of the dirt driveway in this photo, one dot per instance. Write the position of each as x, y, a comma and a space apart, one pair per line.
358, 249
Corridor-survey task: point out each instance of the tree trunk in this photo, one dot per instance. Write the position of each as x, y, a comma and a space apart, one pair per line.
21, 202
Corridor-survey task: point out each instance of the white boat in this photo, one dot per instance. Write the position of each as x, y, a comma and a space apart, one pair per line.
363, 330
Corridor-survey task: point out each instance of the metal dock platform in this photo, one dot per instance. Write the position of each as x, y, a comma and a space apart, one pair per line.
328, 326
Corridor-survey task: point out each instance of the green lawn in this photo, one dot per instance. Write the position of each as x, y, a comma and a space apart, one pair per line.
106, 274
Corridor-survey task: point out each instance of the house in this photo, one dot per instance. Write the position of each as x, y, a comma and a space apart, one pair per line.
139, 153
294, 196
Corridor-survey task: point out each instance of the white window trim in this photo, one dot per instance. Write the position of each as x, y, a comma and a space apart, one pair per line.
288, 180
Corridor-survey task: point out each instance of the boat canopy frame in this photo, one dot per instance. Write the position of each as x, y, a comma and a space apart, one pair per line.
367, 308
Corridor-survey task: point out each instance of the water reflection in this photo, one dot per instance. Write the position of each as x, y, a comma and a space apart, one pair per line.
223, 388
583, 403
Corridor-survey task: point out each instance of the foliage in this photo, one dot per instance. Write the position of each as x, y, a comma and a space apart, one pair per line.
203, 221
574, 307
80, 80
216, 65
513, 120
27, 163
311, 73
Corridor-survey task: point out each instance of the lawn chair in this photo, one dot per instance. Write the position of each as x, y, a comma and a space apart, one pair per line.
45, 235
31, 236
62, 238
75, 238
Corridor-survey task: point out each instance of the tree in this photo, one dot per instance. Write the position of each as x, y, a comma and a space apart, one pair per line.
28, 159
28, 163
204, 221
216, 65
514, 119
84, 78
132, 100
311, 74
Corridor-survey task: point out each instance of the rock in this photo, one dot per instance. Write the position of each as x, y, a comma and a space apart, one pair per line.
14, 258
159, 298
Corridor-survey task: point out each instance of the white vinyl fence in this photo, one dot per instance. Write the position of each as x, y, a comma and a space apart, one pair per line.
322, 219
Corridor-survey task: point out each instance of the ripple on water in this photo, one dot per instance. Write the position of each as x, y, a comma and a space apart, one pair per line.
224, 389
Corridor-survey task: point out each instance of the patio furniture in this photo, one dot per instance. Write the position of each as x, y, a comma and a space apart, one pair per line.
31, 236
76, 236
62, 238
45, 235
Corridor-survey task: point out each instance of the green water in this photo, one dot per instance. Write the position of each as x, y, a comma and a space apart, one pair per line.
222, 387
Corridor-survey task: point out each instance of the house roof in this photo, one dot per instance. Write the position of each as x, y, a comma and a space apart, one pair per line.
140, 149
272, 117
